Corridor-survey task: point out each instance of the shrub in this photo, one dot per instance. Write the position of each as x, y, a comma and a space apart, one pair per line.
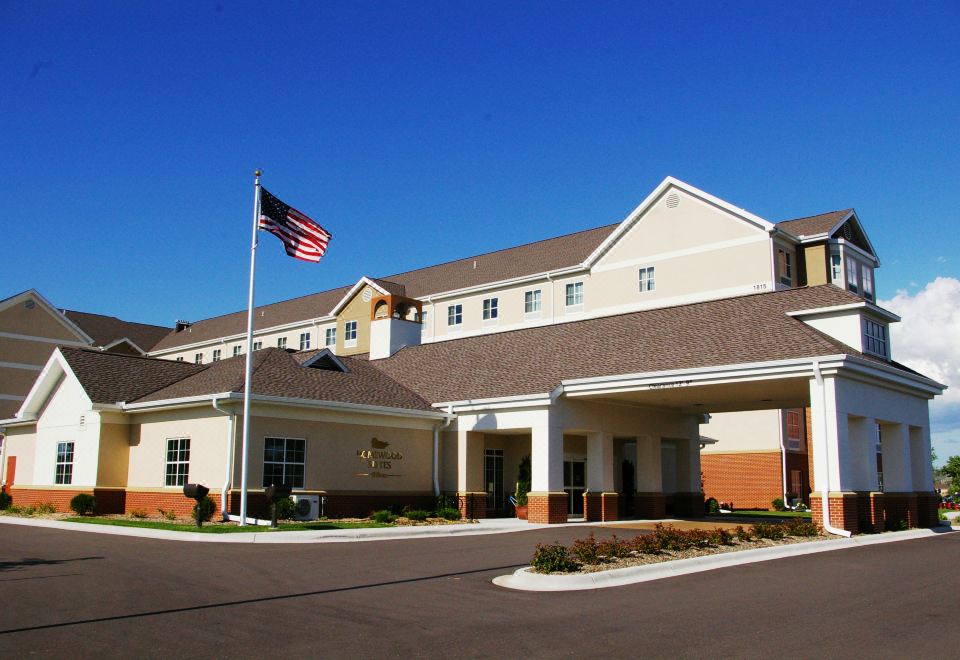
83, 504
670, 538
711, 506
416, 514
586, 550
46, 507
721, 537
449, 513
799, 527
169, 515
138, 513
553, 559
762, 530
383, 516
648, 544
778, 504
286, 508
5, 501
444, 502
523, 481
742, 533
207, 507
28, 510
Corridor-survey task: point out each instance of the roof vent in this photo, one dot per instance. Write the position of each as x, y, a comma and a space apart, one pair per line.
673, 200
181, 325
847, 231
29, 304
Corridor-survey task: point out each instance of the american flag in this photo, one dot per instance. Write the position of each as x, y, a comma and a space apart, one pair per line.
302, 237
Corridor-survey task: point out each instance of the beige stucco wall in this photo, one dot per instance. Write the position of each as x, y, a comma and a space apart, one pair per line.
332, 462
36, 322
113, 460
24, 351
356, 310
21, 442
816, 264
755, 430
207, 430
268, 339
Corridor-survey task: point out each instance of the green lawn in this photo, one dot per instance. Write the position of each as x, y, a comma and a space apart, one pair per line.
209, 528
759, 513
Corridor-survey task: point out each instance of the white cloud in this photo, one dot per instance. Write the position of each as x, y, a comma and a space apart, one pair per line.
928, 340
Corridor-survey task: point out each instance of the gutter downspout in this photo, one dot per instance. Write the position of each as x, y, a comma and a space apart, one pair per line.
783, 459
231, 429
436, 451
825, 494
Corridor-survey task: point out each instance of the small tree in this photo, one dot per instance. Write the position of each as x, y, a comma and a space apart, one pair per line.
523, 481
83, 504
952, 470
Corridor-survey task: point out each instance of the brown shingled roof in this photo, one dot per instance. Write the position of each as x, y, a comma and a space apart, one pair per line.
104, 330
814, 224
752, 328
549, 254
109, 377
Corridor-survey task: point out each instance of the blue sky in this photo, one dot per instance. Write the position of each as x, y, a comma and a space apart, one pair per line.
444, 129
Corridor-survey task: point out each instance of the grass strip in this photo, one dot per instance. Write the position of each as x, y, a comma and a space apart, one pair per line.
760, 513
210, 528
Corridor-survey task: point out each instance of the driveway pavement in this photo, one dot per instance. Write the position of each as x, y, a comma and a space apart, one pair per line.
88, 595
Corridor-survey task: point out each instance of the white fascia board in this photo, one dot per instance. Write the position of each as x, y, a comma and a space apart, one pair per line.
120, 341
353, 291
800, 367
42, 387
853, 215
500, 284
858, 251
652, 198
280, 400
50, 309
326, 353
870, 308
217, 341
498, 403
18, 421
894, 375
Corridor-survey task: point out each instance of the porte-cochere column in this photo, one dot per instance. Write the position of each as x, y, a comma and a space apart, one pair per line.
600, 500
649, 501
547, 501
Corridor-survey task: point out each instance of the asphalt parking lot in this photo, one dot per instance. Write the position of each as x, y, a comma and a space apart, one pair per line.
90, 595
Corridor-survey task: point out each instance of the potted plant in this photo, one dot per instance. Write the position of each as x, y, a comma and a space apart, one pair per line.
523, 487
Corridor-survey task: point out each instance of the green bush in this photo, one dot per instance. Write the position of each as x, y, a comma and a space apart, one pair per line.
648, 544
799, 527
711, 506
83, 504
778, 504
586, 550
774, 532
286, 508
614, 548
743, 534
449, 513
46, 507
138, 513
207, 507
523, 481
5, 501
383, 516
721, 537
418, 515
553, 559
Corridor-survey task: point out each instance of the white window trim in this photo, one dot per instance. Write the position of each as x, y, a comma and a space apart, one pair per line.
577, 306
651, 279
457, 313
263, 463
494, 308
534, 313
57, 463
186, 478
350, 343
328, 334
305, 341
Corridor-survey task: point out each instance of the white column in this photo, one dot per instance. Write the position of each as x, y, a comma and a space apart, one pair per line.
546, 457
829, 435
920, 459
863, 447
897, 469
600, 463
688, 466
469, 462
649, 476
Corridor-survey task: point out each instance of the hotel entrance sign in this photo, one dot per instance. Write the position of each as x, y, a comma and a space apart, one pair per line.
378, 459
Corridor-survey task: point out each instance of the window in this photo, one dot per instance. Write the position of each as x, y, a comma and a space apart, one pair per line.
237, 350
64, 469
490, 309
454, 314
574, 294
304, 341
350, 333
874, 338
423, 320
283, 460
198, 358
648, 280
851, 275
330, 337
785, 267
178, 461
493, 478
867, 274
531, 302
281, 342
216, 354
835, 268
793, 430
180, 359
257, 345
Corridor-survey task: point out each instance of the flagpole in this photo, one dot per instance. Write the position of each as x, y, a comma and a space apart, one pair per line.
249, 362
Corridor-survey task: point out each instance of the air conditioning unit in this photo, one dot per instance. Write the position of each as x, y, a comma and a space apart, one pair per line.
308, 507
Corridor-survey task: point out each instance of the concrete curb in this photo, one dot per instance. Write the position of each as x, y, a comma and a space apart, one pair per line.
502, 526
525, 580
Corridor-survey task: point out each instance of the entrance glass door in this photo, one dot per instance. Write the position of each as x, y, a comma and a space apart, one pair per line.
493, 478
574, 483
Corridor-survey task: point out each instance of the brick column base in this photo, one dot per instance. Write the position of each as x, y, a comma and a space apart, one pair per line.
649, 505
928, 503
876, 514
472, 505
548, 508
901, 510
601, 507
844, 510
688, 505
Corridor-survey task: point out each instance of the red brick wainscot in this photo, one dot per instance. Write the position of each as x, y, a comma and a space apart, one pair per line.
649, 506
548, 508
472, 505
687, 505
340, 505
864, 512
152, 501
747, 480
109, 500
600, 507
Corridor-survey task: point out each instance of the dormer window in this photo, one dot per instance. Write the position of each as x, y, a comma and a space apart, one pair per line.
835, 274
852, 275
874, 338
866, 274
785, 267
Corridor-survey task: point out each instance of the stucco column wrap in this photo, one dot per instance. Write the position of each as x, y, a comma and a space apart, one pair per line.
649, 477
546, 457
897, 470
600, 463
469, 461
